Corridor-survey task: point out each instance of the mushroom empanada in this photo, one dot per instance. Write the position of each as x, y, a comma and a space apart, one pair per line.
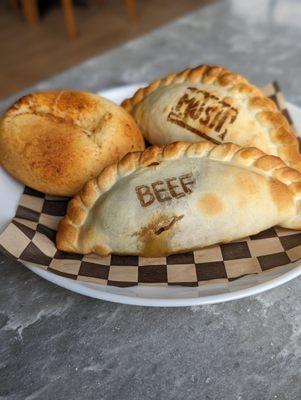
214, 104
181, 197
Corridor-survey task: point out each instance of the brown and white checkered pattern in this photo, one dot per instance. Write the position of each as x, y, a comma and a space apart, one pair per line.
30, 238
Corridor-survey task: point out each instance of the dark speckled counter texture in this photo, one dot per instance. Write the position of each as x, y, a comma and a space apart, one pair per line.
55, 344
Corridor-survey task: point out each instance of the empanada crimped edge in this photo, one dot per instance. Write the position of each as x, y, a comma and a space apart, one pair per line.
252, 158
280, 131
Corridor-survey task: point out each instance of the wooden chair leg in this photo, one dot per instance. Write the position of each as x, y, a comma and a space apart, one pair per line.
69, 18
132, 10
31, 12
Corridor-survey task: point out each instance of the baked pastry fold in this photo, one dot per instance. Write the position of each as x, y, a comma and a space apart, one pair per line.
181, 197
210, 102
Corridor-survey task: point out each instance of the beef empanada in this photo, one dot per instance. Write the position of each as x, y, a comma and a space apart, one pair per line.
214, 104
181, 197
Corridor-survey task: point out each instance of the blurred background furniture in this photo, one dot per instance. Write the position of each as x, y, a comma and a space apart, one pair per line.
30, 9
30, 53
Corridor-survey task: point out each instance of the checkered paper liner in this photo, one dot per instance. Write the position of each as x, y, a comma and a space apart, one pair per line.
30, 238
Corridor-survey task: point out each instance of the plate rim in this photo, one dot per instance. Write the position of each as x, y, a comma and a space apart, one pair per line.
164, 302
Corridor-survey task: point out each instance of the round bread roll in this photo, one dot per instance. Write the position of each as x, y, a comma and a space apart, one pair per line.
55, 141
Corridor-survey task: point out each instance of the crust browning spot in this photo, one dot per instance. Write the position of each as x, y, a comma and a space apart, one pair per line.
296, 188
173, 150
246, 156
287, 175
128, 163
154, 237
224, 152
228, 78
211, 74
283, 136
268, 163
89, 193
291, 155
150, 155
243, 88
271, 118
102, 250
197, 73
209, 204
107, 178
262, 102
199, 148
73, 102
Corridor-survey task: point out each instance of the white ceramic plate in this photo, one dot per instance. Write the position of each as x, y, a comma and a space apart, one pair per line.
10, 191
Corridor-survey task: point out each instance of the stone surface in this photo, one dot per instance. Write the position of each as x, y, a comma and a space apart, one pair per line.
55, 344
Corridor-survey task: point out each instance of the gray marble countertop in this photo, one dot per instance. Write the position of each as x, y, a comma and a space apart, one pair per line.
55, 344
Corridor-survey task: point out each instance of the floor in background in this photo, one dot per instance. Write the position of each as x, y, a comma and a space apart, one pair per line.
29, 54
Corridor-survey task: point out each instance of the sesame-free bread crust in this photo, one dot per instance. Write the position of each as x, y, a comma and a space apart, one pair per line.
55, 141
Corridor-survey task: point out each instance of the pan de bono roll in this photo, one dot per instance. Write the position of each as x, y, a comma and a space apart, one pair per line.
55, 141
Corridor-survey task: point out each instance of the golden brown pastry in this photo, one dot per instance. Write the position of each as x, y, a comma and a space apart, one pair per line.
179, 198
55, 141
212, 103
